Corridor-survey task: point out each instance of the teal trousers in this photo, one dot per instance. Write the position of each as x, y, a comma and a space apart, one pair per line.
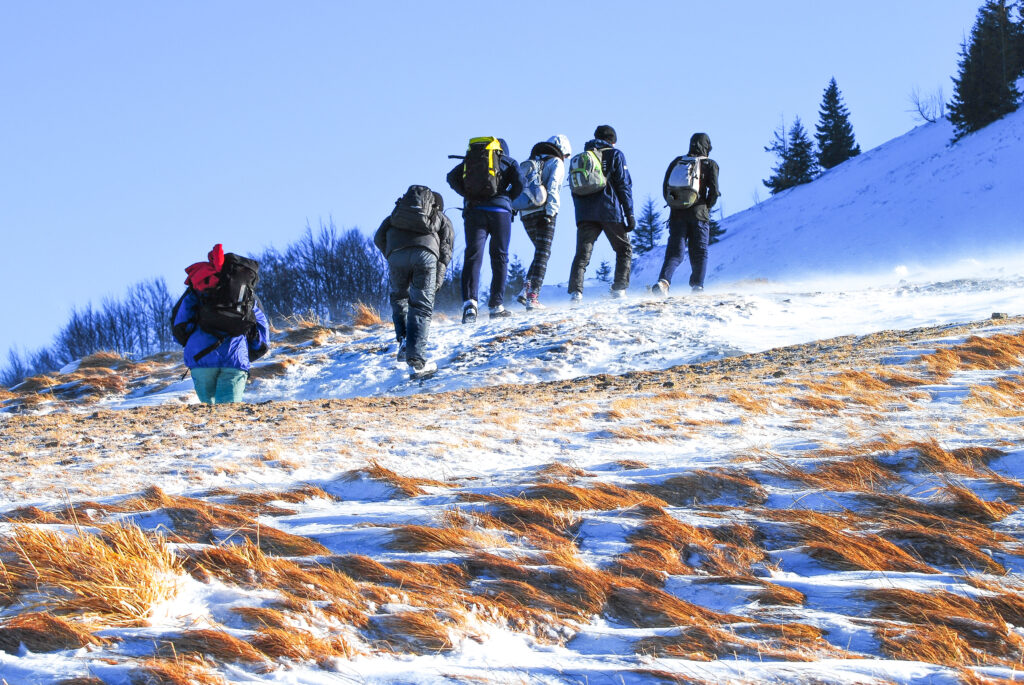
219, 385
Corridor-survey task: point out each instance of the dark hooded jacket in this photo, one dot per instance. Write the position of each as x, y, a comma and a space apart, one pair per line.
509, 185
389, 239
700, 146
615, 201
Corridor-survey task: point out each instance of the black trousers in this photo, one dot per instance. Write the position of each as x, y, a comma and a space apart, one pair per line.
587, 233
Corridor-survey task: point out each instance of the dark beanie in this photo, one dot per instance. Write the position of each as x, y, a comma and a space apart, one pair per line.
605, 132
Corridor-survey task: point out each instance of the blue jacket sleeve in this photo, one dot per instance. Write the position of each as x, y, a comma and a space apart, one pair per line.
261, 339
621, 182
185, 322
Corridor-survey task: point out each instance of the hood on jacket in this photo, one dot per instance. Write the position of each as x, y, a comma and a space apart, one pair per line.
504, 146
700, 145
597, 143
545, 148
562, 143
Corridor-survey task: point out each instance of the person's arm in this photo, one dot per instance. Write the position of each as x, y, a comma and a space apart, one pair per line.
711, 192
380, 238
446, 240
622, 183
554, 188
511, 178
259, 335
185, 321
455, 180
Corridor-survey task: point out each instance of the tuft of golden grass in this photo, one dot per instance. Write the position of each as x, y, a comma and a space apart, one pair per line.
272, 369
216, 644
948, 629
83, 680
961, 502
119, 575
103, 359
631, 464
860, 474
748, 402
307, 332
299, 645
413, 538
826, 405
43, 632
597, 497
703, 487
826, 538
365, 315
407, 486
175, 671
964, 461
560, 470
1000, 351
418, 632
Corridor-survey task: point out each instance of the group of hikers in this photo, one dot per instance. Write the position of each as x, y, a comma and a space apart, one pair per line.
222, 328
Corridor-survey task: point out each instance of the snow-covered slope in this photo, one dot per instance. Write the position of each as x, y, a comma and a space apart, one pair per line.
915, 201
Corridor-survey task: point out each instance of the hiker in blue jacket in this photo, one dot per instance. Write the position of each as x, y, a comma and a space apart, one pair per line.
219, 376
485, 218
609, 211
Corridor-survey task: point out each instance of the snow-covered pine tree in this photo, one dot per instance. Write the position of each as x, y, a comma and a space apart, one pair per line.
834, 132
797, 163
604, 272
516, 277
984, 89
649, 227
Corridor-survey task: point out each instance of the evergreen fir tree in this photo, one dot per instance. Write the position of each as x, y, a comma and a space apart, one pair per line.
834, 132
649, 227
797, 163
990, 63
716, 232
516, 277
604, 272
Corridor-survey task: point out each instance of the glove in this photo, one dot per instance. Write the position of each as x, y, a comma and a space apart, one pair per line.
630, 223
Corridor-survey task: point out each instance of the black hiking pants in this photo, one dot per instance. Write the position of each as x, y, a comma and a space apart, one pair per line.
686, 231
587, 233
480, 225
413, 275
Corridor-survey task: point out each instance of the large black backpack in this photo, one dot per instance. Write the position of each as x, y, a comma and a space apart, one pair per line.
481, 170
227, 309
417, 211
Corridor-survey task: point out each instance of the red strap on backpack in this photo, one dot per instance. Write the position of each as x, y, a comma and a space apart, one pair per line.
205, 275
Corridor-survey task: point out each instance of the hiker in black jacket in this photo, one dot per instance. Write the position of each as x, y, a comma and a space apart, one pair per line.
691, 227
485, 218
609, 211
416, 266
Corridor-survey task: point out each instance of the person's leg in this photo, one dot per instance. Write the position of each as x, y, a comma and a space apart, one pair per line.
619, 238
500, 228
697, 235
476, 236
541, 235
399, 277
230, 385
586, 235
421, 303
674, 248
205, 382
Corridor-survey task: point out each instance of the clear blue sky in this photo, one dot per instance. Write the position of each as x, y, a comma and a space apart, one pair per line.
134, 135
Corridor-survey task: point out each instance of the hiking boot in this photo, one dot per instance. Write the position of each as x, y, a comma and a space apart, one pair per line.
533, 303
697, 289
401, 350
419, 368
523, 297
499, 312
617, 294
469, 311
575, 299
660, 288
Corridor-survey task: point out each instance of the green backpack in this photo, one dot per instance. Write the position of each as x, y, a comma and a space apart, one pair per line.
586, 175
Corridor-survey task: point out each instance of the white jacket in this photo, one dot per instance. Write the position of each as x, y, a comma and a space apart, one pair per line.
552, 175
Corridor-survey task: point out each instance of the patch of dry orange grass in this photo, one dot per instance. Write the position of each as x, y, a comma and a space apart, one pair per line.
860, 474
826, 405
43, 632
706, 641
1003, 397
31, 514
257, 500
83, 680
1000, 351
413, 538
407, 486
216, 644
299, 645
413, 575
119, 575
748, 402
272, 369
638, 433
559, 470
365, 315
175, 671
958, 501
418, 632
596, 497
311, 332
964, 461
703, 487
631, 464
265, 617
948, 629
826, 538
36, 383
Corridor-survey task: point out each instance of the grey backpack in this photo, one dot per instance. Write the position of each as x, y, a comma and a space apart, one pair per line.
683, 188
534, 193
